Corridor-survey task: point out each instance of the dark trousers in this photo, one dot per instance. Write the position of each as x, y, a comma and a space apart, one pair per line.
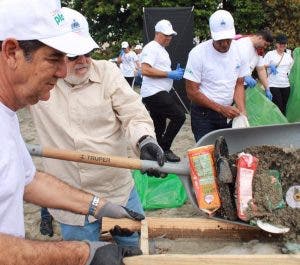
280, 97
162, 106
45, 213
204, 120
129, 80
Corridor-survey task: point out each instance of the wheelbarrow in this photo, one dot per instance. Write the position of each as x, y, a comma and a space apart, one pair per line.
287, 135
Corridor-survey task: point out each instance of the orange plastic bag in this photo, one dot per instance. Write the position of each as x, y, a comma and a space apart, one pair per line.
203, 176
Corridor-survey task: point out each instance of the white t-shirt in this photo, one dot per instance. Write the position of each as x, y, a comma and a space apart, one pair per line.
128, 65
16, 171
215, 72
281, 79
249, 54
157, 57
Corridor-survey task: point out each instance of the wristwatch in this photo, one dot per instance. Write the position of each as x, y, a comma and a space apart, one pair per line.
93, 205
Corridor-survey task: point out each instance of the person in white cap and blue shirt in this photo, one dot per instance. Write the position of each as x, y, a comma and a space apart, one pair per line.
34, 38
157, 82
214, 77
94, 109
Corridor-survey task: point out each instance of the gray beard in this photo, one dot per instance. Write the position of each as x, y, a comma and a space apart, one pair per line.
75, 80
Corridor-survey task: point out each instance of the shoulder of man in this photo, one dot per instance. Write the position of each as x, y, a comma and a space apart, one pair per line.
201, 47
104, 66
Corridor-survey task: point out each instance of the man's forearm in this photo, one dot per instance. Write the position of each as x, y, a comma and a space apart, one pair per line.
149, 71
263, 77
17, 251
48, 191
239, 95
199, 98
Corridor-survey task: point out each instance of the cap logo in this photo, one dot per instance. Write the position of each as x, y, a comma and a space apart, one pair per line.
75, 25
223, 23
59, 18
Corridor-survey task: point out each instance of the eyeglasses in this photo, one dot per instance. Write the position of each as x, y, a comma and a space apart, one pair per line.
87, 55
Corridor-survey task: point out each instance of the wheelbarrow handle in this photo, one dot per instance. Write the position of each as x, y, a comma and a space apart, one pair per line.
180, 168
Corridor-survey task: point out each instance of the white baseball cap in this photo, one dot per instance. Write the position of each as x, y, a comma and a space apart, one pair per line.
124, 45
138, 47
79, 25
165, 27
221, 25
39, 20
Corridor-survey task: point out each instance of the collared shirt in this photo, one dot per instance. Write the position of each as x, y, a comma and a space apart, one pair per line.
102, 115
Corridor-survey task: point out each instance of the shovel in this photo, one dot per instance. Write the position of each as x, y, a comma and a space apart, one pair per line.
237, 139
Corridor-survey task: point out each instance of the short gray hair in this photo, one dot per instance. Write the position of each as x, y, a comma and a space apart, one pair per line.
28, 47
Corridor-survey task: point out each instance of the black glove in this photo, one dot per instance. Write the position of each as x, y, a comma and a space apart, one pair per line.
150, 150
119, 231
109, 254
116, 211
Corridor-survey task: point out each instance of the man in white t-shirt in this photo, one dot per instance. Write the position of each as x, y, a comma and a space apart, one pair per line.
279, 63
252, 49
157, 82
32, 58
214, 78
129, 62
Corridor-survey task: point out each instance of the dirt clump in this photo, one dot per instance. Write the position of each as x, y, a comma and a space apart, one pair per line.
268, 202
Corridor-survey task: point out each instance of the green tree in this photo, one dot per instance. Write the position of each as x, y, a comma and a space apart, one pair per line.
283, 16
112, 21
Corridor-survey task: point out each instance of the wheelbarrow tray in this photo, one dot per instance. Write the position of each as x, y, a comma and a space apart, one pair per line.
286, 135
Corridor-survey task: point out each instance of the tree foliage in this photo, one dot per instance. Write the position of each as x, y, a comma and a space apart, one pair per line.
283, 16
112, 21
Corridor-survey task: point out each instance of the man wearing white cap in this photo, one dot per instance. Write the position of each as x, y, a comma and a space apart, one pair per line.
157, 82
129, 62
214, 78
34, 39
94, 109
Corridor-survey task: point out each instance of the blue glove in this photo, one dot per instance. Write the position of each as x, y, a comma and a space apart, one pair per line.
176, 74
250, 81
269, 94
273, 69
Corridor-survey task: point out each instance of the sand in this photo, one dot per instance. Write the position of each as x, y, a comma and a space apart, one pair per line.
182, 143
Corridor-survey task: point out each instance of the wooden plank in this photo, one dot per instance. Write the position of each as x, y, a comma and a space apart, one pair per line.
190, 227
144, 243
182, 259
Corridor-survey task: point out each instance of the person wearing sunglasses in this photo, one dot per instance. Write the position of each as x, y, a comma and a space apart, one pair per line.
157, 83
32, 59
94, 109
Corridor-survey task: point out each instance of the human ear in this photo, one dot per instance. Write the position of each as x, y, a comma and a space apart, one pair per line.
10, 51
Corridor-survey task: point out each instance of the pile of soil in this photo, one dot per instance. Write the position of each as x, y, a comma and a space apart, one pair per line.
287, 163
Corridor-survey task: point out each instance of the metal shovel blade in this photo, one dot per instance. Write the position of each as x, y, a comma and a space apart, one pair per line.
274, 229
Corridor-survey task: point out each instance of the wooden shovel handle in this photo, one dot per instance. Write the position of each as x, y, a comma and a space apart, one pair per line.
85, 157
181, 168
